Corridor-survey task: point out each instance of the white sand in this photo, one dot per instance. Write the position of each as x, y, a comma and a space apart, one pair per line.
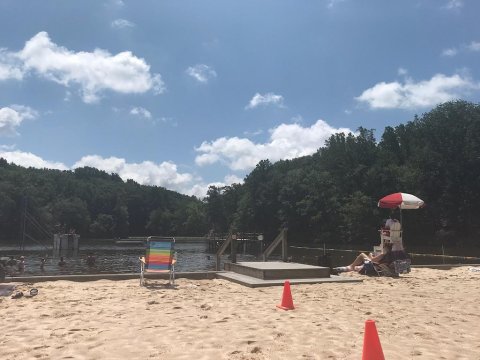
428, 314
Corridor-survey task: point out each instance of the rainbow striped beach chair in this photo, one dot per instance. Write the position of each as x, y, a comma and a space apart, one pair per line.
159, 258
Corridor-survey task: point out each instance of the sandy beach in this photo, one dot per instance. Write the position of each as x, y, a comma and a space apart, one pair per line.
427, 314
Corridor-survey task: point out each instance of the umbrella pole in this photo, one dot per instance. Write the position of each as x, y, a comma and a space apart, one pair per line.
401, 223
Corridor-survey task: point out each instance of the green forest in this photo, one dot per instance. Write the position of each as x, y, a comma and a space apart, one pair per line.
330, 196
93, 203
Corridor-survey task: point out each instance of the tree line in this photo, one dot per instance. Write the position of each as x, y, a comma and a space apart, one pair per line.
328, 197
331, 196
93, 203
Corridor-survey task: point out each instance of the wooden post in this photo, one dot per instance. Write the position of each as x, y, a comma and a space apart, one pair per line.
233, 249
282, 237
284, 245
222, 249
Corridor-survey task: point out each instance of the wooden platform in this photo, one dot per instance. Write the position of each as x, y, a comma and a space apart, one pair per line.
274, 273
277, 270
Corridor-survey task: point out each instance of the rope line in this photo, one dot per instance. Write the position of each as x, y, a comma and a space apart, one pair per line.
411, 254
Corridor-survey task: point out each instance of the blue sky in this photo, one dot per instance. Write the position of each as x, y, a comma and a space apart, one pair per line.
183, 94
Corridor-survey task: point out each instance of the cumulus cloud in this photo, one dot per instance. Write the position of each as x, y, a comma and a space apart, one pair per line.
9, 66
11, 117
122, 24
267, 99
142, 112
233, 179
474, 46
93, 72
7, 147
449, 52
454, 4
200, 190
28, 159
414, 95
165, 174
115, 3
201, 72
287, 141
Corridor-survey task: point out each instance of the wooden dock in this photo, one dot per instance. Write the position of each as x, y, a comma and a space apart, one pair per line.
274, 273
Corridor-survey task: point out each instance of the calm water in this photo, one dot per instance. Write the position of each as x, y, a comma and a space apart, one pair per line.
112, 258
191, 256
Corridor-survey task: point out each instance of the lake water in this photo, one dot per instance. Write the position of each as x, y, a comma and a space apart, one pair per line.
112, 258
191, 256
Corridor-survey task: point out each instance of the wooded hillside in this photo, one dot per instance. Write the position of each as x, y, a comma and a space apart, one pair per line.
332, 195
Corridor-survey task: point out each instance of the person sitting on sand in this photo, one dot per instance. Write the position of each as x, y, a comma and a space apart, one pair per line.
364, 264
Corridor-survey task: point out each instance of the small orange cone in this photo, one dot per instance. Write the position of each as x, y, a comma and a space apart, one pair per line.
287, 301
372, 349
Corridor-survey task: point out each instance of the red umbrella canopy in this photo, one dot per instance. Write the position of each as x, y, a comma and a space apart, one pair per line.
401, 200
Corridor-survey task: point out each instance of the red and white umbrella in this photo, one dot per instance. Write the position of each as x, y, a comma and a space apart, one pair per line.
401, 201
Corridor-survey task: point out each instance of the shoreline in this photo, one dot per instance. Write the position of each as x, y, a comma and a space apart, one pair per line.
194, 275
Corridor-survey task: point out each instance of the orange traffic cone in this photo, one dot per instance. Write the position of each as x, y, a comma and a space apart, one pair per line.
287, 301
372, 349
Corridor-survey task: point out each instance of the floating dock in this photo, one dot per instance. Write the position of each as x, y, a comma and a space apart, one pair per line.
274, 273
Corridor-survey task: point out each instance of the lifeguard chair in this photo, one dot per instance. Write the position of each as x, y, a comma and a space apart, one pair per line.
393, 236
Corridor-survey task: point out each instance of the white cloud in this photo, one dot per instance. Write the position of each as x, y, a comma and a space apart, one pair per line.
454, 4
414, 95
9, 66
450, 52
122, 24
10, 72
233, 179
94, 72
402, 71
253, 133
164, 174
168, 120
267, 99
474, 46
28, 159
201, 72
142, 112
287, 141
200, 190
7, 147
11, 118
115, 3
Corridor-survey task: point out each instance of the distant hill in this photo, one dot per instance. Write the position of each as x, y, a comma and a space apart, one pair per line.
94, 203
